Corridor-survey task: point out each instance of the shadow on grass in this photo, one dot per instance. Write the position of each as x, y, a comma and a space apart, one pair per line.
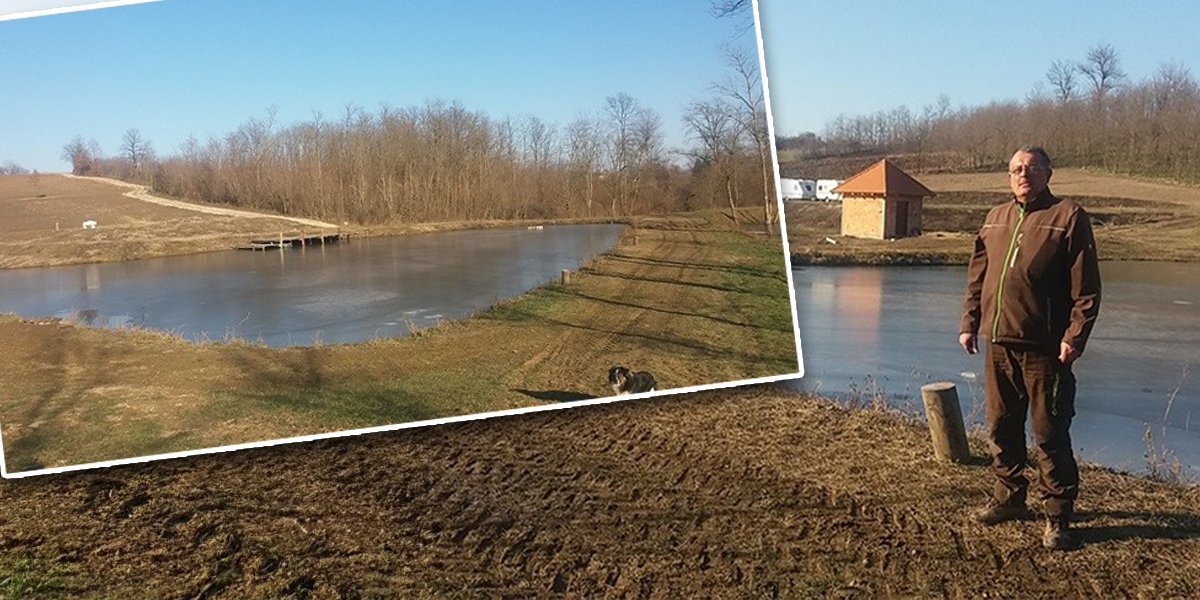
675, 282
1137, 525
769, 273
555, 395
579, 294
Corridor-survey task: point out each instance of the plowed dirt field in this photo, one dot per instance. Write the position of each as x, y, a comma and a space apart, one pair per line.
739, 493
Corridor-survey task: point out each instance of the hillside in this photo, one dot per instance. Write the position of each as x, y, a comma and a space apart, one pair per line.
1133, 219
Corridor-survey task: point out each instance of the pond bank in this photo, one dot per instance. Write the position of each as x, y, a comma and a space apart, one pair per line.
691, 302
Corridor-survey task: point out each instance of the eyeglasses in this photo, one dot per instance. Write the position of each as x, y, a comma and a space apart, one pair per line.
1026, 169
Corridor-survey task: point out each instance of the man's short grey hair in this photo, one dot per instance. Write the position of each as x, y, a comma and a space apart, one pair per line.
1038, 151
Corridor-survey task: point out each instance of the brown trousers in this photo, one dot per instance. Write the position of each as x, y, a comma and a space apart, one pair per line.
1023, 379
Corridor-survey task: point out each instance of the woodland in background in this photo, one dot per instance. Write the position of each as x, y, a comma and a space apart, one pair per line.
1086, 113
442, 162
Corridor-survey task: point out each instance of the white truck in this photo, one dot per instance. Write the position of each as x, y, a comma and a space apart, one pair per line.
798, 189
825, 189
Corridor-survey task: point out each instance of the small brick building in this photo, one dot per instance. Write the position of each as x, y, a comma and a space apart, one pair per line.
882, 202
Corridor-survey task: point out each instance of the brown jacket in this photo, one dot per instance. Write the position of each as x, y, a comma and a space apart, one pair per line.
1034, 278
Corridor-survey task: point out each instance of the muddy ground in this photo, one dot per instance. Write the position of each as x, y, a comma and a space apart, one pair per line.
739, 493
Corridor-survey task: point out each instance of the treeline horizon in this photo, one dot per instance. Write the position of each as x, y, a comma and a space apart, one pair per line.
442, 162
1086, 113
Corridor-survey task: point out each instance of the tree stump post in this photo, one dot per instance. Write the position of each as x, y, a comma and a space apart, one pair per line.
945, 422
566, 277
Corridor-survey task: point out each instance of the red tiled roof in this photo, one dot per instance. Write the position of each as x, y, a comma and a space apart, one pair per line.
883, 178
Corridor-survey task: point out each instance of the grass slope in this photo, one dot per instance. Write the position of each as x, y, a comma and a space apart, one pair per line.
692, 302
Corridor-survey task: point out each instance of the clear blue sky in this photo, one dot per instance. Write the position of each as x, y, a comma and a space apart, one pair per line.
203, 67
857, 57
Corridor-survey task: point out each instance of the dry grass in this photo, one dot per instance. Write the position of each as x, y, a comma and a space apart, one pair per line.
42, 225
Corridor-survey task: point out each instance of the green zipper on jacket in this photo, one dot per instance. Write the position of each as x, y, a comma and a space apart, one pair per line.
1008, 259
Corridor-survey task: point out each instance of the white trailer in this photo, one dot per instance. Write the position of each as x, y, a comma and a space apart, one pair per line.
825, 189
798, 189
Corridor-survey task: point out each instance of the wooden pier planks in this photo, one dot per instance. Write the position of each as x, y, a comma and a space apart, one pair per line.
295, 241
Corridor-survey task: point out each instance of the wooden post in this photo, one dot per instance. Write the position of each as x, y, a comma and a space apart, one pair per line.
566, 277
280, 241
945, 422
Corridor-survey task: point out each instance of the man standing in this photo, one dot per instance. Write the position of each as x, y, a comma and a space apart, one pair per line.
1033, 289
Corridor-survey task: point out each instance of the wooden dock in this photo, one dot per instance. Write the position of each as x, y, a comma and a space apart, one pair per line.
298, 241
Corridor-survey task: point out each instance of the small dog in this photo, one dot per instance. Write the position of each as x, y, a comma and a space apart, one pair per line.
624, 381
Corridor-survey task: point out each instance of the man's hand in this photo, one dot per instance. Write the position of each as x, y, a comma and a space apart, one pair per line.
1067, 354
969, 342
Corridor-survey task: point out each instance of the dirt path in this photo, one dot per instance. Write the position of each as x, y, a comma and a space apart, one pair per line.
740, 493
141, 192
42, 223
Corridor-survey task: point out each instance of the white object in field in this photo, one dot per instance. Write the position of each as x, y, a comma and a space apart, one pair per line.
798, 189
825, 189
830, 240
89, 224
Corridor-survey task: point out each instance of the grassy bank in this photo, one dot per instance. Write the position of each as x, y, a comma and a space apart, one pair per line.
740, 493
691, 301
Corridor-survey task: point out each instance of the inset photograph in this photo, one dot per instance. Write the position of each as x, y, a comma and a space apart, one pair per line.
895, 173
992, 220
228, 223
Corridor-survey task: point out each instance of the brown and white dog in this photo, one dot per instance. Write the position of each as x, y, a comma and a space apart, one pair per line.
624, 381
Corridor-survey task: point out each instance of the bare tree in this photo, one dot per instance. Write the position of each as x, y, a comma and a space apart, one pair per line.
1062, 80
1172, 84
135, 149
12, 168
1102, 68
727, 8
585, 149
77, 153
745, 89
715, 127
621, 110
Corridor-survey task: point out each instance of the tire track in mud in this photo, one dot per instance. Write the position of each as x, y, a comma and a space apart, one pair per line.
727, 494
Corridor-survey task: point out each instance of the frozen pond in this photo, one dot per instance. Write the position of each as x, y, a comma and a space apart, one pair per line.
346, 292
889, 330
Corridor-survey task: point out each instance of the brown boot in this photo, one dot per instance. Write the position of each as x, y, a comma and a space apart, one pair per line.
1058, 534
996, 513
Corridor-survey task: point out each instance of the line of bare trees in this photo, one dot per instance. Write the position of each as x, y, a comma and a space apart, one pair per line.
442, 162
1086, 112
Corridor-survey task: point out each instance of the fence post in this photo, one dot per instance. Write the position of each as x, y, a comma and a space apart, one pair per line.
945, 422
566, 277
